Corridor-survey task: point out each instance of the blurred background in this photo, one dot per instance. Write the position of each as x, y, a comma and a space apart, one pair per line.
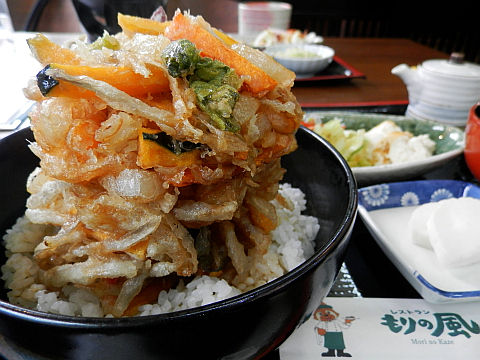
448, 27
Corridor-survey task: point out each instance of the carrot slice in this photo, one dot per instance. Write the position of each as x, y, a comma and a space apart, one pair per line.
46, 51
224, 37
139, 250
83, 134
65, 89
261, 220
309, 125
161, 101
122, 78
284, 144
134, 24
255, 79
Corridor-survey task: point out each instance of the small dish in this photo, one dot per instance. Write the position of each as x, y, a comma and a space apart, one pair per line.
303, 59
386, 208
450, 142
337, 70
270, 36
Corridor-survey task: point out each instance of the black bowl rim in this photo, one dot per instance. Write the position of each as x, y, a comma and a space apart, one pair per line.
226, 305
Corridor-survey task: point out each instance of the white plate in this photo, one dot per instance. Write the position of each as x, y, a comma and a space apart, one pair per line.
386, 208
302, 65
450, 142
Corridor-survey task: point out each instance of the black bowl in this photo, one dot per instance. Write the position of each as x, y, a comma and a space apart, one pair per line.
247, 326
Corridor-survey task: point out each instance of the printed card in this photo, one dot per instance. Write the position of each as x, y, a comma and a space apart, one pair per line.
369, 328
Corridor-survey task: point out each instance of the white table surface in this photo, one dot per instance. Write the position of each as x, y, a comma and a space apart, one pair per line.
17, 66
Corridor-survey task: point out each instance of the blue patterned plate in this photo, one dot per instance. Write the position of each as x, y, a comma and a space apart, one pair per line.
386, 208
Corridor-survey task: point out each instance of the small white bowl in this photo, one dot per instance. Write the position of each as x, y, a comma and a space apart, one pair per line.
299, 58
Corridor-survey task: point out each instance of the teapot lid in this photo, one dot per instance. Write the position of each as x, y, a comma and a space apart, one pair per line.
455, 67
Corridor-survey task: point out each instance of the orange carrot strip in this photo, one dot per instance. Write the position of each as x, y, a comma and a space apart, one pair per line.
65, 89
225, 38
122, 78
162, 101
188, 178
309, 125
242, 155
139, 250
261, 220
83, 134
284, 144
255, 79
46, 51
136, 24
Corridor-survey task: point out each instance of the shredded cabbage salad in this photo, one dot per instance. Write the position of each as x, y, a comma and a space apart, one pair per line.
352, 144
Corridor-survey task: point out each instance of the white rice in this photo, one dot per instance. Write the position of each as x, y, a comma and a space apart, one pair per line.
293, 238
202, 290
292, 244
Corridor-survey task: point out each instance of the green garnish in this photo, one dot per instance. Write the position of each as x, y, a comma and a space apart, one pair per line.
106, 41
181, 58
214, 83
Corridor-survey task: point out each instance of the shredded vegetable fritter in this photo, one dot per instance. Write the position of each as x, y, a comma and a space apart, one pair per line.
159, 153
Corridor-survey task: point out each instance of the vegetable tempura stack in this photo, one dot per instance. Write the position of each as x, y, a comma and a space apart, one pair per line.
160, 153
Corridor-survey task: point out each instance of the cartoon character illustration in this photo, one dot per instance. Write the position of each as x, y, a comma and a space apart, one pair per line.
329, 327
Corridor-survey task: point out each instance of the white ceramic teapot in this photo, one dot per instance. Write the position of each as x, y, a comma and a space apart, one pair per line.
441, 90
